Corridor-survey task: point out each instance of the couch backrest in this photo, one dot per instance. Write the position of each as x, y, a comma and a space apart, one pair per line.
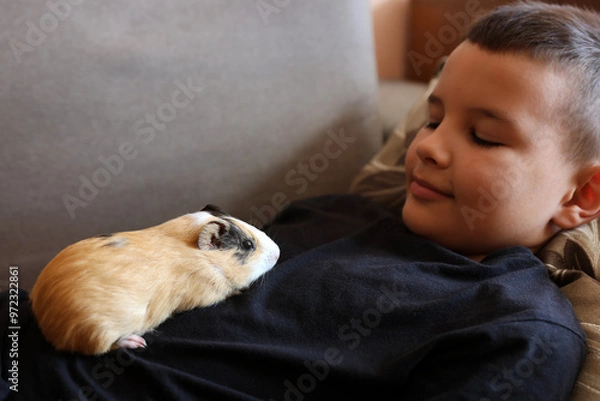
118, 115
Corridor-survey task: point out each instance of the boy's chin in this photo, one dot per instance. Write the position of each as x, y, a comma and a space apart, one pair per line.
452, 240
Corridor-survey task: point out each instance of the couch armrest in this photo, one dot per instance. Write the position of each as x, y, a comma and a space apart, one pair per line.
391, 21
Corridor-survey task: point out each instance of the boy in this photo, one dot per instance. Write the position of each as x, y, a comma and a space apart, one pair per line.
514, 118
359, 306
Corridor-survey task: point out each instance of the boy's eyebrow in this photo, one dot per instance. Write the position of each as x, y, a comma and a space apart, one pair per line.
433, 99
493, 114
489, 113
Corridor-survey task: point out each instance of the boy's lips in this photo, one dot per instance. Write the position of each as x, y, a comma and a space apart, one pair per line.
424, 190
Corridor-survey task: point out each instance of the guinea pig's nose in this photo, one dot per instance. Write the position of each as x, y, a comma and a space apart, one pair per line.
273, 256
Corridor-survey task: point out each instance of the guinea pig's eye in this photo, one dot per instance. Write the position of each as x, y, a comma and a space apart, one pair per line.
247, 245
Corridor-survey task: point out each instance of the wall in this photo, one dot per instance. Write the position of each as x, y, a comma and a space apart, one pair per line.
412, 35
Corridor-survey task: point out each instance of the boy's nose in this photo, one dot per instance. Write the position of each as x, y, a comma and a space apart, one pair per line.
432, 150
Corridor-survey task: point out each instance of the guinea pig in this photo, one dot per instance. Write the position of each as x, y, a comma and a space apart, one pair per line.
105, 292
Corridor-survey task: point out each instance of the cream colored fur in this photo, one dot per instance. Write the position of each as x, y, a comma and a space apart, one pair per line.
103, 290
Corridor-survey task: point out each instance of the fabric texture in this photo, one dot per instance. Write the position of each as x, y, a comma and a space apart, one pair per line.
357, 308
584, 294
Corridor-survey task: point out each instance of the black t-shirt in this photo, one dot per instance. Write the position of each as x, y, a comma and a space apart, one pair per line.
357, 308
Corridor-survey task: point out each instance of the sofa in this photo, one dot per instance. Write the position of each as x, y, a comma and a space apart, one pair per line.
120, 115
123, 115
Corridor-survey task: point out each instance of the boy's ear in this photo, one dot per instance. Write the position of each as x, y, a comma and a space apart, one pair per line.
583, 204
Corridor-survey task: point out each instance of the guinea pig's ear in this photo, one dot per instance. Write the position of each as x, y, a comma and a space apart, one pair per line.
214, 210
210, 236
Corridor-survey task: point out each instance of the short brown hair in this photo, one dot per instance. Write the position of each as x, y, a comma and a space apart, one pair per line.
565, 37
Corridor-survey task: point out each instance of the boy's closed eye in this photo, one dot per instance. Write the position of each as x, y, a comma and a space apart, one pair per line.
432, 125
479, 141
475, 138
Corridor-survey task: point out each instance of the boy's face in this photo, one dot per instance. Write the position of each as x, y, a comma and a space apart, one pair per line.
488, 171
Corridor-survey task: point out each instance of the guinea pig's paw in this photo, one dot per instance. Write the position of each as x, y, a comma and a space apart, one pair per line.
133, 341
